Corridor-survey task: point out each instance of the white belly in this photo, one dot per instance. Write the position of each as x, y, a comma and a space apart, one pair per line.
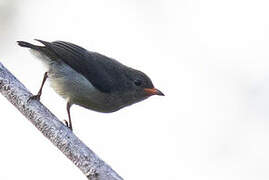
75, 88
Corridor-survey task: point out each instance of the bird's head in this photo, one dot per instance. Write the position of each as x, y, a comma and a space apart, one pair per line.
138, 86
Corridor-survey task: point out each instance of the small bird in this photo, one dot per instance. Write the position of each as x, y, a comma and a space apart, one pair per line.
90, 79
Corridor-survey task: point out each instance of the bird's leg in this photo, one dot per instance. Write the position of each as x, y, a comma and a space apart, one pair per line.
69, 123
37, 97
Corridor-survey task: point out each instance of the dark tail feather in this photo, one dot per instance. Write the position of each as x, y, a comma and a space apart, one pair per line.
47, 44
28, 45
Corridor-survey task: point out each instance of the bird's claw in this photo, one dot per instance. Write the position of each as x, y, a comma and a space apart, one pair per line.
67, 125
35, 97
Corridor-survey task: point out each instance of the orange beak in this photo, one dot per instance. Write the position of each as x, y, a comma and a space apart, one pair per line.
153, 91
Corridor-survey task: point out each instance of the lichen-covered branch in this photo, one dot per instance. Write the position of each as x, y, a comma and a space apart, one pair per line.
61, 136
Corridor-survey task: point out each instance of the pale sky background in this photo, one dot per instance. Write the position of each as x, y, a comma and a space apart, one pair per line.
210, 58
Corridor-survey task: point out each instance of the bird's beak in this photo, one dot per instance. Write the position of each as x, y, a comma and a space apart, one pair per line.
153, 91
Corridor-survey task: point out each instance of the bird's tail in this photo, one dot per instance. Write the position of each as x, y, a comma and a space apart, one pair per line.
28, 45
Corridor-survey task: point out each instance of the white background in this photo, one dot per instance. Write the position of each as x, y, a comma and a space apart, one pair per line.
210, 58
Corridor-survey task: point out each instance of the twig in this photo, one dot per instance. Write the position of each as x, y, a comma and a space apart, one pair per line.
61, 136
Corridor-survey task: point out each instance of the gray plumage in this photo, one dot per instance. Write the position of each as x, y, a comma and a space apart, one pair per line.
90, 79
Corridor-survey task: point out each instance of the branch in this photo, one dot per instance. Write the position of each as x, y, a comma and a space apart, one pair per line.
61, 136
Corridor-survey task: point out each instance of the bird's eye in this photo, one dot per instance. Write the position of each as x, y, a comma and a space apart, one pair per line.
138, 82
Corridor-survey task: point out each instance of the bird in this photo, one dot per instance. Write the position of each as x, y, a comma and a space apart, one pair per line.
89, 79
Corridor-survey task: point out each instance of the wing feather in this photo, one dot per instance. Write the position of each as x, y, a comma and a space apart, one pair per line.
104, 73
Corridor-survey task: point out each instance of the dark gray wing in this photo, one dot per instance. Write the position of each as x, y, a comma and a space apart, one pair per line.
104, 73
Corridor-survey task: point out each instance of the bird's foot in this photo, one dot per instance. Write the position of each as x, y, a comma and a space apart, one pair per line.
67, 125
35, 97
